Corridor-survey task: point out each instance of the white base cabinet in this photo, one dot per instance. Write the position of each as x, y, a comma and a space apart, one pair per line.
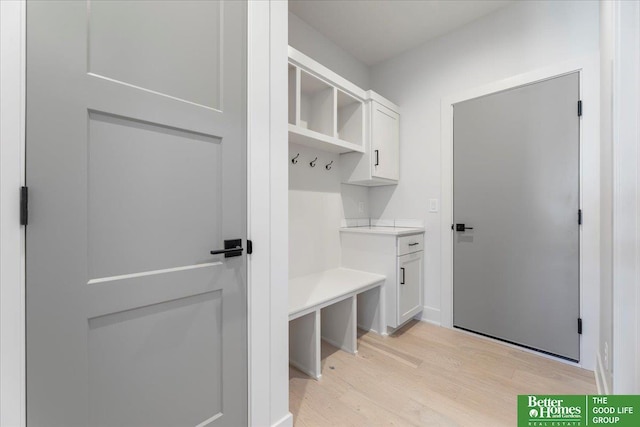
399, 258
410, 276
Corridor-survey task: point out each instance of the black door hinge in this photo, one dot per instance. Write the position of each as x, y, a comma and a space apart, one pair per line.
580, 108
579, 216
249, 247
24, 205
580, 326
452, 226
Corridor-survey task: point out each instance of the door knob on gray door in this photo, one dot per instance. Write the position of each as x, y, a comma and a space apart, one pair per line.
462, 227
232, 248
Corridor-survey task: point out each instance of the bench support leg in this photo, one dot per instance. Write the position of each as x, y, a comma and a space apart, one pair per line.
339, 325
304, 344
370, 311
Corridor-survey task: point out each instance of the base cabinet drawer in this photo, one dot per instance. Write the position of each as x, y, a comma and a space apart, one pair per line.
411, 243
409, 276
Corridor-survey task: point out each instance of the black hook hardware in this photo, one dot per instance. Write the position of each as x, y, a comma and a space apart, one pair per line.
328, 167
312, 163
295, 159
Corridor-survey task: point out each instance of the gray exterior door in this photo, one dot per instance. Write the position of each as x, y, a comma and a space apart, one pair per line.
516, 183
136, 148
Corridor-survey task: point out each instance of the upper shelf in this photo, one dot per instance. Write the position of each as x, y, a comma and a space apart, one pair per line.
320, 141
300, 60
326, 111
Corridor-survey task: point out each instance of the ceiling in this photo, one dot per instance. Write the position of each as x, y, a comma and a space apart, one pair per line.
376, 30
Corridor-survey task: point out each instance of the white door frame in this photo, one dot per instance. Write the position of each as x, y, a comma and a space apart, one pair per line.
626, 198
267, 214
589, 70
268, 228
12, 244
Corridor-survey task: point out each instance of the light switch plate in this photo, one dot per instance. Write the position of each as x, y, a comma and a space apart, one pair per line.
433, 205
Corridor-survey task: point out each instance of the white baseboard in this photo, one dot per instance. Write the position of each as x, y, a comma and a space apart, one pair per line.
286, 421
601, 382
430, 315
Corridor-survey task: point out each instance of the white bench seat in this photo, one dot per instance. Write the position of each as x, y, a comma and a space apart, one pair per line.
308, 293
330, 305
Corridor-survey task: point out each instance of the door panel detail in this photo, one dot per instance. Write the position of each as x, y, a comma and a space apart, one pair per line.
167, 47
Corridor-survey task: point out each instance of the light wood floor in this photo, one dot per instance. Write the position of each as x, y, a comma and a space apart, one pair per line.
426, 375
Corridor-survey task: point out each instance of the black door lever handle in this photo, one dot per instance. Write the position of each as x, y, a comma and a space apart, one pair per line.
227, 251
462, 227
231, 249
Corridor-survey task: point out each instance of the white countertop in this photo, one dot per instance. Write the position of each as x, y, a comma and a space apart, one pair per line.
396, 231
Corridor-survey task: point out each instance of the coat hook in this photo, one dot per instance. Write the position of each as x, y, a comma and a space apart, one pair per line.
312, 163
328, 167
295, 159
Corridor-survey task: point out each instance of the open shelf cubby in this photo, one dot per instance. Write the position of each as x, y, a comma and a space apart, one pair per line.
317, 100
350, 118
293, 93
322, 114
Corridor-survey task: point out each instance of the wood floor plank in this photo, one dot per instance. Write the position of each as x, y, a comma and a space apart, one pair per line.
425, 375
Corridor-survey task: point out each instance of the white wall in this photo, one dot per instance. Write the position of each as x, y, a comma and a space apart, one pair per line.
317, 204
317, 200
309, 41
518, 39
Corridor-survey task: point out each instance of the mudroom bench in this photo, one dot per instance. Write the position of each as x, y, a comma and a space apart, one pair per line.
331, 305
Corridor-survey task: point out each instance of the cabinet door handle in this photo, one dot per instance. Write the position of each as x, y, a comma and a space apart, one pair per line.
377, 157
402, 279
413, 244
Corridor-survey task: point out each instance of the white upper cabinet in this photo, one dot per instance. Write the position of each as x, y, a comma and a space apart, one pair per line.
326, 111
385, 141
379, 164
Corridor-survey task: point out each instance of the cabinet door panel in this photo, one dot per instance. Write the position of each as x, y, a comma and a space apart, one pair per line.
385, 137
409, 286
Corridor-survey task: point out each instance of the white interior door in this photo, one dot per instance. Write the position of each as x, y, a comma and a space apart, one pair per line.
136, 153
